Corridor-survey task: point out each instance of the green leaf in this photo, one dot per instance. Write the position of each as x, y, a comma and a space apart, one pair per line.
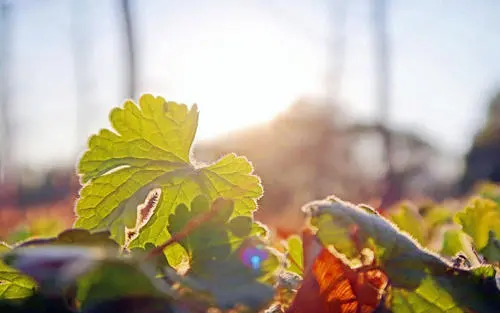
455, 241
396, 252
54, 267
13, 284
20, 234
220, 256
75, 236
491, 251
409, 220
436, 216
240, 226
481, 221
489, 191
118, 279
457, 293
295, 254
98, 274
417, 276
244, 277
160, 261
214, 239
146, 167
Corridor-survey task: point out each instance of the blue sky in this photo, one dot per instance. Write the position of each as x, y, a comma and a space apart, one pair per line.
244, 61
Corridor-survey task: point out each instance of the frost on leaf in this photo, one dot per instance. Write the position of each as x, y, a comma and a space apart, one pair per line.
420, 281
13, 284
149, 149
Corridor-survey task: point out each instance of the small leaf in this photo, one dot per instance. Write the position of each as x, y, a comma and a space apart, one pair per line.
481, 221
160, 260
295, 254
436, 216
151, 150
491, 251
455, 242
13, 284
240, 226
409, 220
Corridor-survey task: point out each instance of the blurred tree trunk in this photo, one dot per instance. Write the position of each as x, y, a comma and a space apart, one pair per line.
382, 83
81, 67
129, 51
6, 131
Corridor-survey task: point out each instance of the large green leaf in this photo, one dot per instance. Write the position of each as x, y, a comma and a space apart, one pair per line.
421, 281
97, 275
240, 278
481, 221
75, 236
13, 284
213, 239
146, 167
55, 267
221, 259
117, 279
460, 292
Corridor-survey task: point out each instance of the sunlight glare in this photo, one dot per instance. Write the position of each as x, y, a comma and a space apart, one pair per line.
242, 79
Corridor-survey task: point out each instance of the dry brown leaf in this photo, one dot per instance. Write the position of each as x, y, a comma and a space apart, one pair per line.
331, 286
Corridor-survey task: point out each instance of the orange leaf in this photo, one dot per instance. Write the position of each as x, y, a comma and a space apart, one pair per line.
330, 286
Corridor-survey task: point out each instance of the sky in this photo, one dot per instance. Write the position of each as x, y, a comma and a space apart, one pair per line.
245, 61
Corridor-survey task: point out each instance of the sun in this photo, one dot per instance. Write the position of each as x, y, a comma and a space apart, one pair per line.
239, 80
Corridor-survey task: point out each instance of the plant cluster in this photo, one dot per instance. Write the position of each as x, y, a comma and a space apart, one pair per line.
158, 232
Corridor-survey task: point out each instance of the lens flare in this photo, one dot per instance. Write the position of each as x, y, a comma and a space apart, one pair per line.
253, 257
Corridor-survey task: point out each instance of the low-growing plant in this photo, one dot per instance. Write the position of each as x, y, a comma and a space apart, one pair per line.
157, 231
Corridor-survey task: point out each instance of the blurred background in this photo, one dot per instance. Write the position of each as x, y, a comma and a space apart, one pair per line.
371, 100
